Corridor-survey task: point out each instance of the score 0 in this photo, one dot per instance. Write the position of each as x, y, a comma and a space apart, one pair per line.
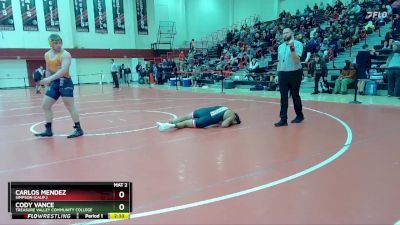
121, 194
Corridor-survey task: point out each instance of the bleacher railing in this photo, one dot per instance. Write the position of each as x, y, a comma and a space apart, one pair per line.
92, 78
220, 35
265, 77
13, 82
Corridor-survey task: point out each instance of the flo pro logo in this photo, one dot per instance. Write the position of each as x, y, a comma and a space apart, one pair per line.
379, 15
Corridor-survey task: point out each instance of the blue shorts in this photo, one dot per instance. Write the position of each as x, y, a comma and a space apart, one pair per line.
205, 117
61, 87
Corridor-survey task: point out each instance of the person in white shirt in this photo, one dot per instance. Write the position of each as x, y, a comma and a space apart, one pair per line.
290, 74
253, 65
393, 72
114, 73
38, 75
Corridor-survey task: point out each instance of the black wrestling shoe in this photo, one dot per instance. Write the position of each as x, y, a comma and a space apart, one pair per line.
46, 133
297, 120
77, 133
281, 123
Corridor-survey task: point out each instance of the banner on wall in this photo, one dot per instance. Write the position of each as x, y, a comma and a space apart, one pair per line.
81, 16
51, 15
29, 17
141, 13
118, 16
100, 16
6, 15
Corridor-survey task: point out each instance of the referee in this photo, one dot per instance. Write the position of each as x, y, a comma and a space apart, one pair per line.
114, 73
290, 74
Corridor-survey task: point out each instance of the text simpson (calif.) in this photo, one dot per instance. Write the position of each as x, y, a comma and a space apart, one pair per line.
40, 192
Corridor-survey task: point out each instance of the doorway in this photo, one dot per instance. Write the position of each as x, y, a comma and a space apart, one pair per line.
32, 65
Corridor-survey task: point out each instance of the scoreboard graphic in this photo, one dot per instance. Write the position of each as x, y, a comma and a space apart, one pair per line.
70, 200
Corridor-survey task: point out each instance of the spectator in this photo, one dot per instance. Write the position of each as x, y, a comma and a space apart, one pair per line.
219, 50
263, 63
138, 68
319, 70
389, 37
364, 62
355, 10
195, 75
354, 31
143, 78
114, 73
324, 48
172, 65
165, 66
321, 6
335, 16
298, 13
278, 36
122, 72
160, 74
155, 72
192, 46
347, 77
329, 8
181, 60
369, 27
253, 65
389, 10
339, 4
393, 72
308, 9
396, 24
315, 7
229, 36
165, 69
38, 75
128, 73
311, 48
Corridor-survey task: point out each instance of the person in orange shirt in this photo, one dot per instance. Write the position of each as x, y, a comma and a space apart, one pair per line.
59, 84
181, 60
181, 56
347, 77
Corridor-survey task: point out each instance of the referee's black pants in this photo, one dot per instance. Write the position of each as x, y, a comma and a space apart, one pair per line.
115, 79
290, 81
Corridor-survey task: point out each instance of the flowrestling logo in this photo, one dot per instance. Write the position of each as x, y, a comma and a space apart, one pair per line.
379, 15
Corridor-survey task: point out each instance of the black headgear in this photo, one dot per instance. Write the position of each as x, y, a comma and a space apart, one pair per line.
238, 121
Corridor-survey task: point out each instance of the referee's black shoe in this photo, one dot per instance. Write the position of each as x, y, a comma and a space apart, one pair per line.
281, 123
298, 119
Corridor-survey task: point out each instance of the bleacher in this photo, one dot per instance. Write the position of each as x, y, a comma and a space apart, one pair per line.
241, 77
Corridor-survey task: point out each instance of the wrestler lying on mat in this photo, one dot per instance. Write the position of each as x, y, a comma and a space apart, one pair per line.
204, 117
